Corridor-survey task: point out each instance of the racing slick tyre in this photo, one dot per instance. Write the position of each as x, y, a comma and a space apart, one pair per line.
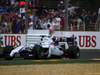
6, 52
38, 51
73, 52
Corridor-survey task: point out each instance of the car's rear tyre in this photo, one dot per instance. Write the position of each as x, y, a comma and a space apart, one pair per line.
73, 52
38, 51
6, 52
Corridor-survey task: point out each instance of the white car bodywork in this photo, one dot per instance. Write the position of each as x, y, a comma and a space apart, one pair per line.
20, 48
46, 43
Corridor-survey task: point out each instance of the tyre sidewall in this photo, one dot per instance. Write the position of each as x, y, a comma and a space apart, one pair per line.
38, 51
73, 52
6, 52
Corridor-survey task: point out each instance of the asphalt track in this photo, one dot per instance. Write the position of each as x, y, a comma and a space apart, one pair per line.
89, 54
86, 54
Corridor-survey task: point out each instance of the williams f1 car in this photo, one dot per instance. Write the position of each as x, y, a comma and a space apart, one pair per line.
49, 47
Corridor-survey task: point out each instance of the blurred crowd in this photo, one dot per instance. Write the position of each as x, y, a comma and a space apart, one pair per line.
9, 10
77, 16
12, 21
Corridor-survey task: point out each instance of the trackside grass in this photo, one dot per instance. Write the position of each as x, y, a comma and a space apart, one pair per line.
21, 61
52, 69
1, 48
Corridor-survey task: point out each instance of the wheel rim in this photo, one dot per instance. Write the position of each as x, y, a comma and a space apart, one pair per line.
77, 52
40, 52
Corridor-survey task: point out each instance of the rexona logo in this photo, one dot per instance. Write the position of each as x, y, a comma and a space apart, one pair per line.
12, 40
87, 41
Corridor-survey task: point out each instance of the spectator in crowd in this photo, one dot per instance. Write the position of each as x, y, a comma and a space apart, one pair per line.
14, 26
62, 23
49, 23
30, 26
16, 3
0, 26
9, 26
61, 5
78, 8
22, 27
39, 27
4, 16
69, 1
0, 16
10, 9
3, 3
18, 24
0, 2
72, 18
79, 22
43, 14
55, 24
12, 15
94, 17
71, 8
6, 8
12, 2
1, 8
83, 17
74, 22
58, 19
45, 23
31, 16
7, 2
87, 22
30, 4
19, 15
4, 29
4, 23
0, 30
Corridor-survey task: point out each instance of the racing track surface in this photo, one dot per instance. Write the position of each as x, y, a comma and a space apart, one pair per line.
53, 69
89, 54
85, 54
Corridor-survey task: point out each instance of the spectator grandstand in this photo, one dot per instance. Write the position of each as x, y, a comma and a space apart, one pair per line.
12, 21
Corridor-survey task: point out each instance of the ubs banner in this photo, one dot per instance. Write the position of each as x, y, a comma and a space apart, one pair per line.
12, 39
85, 40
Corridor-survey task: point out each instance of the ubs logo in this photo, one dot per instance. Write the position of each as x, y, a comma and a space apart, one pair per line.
1, 42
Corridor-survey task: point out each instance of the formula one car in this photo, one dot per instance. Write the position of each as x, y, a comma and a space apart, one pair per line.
47, 48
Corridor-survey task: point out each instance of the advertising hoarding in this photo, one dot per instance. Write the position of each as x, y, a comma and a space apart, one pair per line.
13, 39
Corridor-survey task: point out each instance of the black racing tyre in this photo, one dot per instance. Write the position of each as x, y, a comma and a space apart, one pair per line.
1, 43
38, 51
73, 52
6, 52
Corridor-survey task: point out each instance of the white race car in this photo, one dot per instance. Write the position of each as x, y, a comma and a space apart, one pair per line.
47, 48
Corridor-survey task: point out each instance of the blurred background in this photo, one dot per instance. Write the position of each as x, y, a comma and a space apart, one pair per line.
18, 16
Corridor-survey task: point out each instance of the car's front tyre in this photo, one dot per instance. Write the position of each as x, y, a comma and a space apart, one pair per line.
38, 51
6, 52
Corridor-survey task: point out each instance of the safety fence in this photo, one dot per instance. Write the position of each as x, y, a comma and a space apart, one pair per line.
83, 27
